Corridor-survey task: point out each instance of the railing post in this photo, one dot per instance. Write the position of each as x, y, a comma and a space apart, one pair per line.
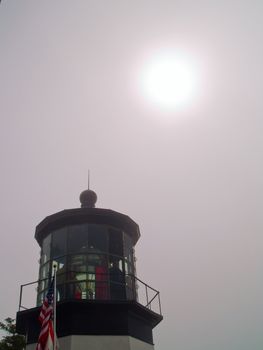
147, 300
134, 287
159, 303
20, 297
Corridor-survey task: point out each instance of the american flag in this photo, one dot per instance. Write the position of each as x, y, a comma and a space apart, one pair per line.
46, 336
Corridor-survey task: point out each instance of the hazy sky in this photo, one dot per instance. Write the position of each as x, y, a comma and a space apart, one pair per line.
192, 179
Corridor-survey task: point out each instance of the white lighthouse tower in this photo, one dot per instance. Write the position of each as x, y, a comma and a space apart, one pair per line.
101, 303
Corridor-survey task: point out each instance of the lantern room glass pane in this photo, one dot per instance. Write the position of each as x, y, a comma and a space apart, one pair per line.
98, 237
115, 242
60, 264
42, 285
117, 279
128, 248
40, 298
96, 260
59, 242
78, 238
45, 256
77, 263
72, 291
44, 271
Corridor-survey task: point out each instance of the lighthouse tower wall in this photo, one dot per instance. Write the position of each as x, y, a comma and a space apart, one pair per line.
93, 342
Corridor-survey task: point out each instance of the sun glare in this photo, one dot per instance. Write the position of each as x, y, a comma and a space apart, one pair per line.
169, 80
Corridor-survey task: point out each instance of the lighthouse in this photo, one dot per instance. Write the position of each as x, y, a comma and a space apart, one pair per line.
101, 304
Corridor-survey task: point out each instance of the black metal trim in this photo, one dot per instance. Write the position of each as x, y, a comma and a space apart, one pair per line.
87, 215
94, 318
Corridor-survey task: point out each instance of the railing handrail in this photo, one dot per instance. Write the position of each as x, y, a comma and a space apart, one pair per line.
133, 287
137, 279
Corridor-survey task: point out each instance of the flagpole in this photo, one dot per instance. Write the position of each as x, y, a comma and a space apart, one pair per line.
55, 309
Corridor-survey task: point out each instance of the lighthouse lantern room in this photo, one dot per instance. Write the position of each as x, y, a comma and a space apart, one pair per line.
100, 302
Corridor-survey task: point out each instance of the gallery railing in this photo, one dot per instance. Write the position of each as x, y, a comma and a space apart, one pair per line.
74, 285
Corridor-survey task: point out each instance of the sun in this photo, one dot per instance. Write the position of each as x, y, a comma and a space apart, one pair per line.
169, 80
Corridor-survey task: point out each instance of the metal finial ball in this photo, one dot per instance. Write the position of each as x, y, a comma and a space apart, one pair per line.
88, 198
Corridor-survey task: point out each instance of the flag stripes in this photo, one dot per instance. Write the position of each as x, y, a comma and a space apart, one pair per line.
46, 336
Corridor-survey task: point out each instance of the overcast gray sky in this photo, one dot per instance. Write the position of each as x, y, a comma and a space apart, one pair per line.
192, 179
